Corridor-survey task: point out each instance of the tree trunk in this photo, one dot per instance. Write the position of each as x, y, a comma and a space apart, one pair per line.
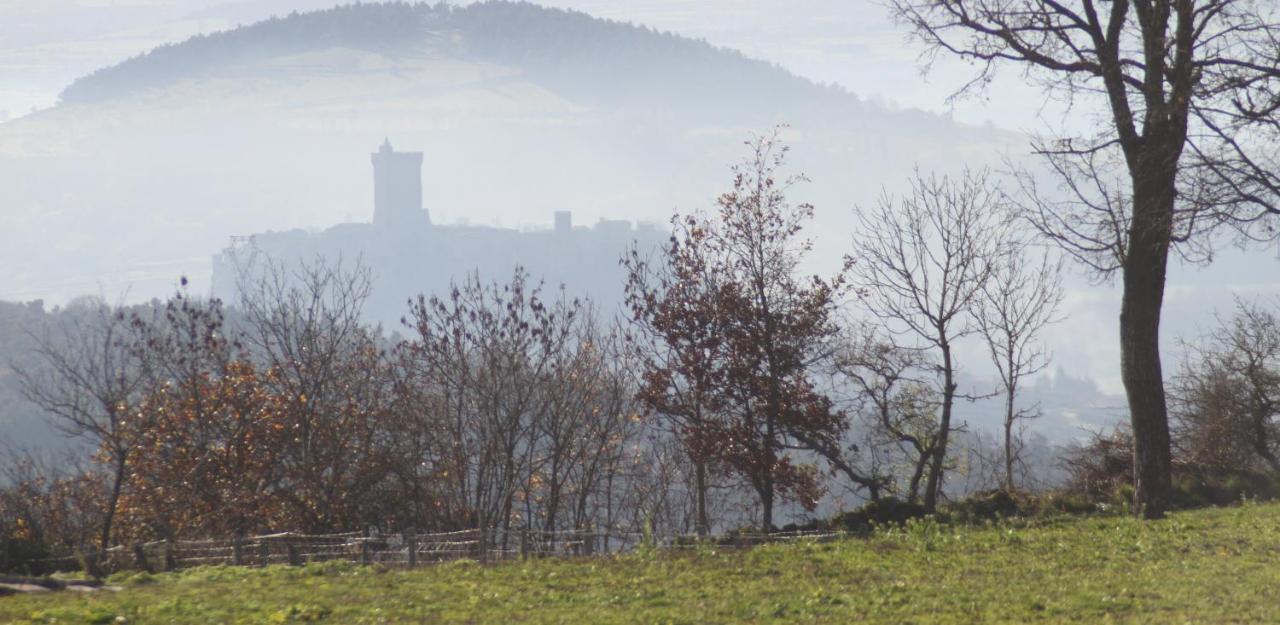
1261, 440
1144, 278
553, 507
771, 460
913, 487
117, 485
766, 502
934, 484
1008, 441
700, 485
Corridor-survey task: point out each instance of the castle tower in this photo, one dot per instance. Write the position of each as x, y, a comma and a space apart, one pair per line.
564, 222
397, 188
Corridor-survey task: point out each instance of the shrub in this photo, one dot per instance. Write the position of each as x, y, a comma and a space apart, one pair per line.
22, 554
1101, 468
1197, 487
1063, 502
985, 506
882, 512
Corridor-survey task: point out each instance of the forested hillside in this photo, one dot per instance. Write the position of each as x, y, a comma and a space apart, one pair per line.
600, 61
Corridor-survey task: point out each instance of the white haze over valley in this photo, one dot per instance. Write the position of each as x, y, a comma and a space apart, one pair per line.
123, 196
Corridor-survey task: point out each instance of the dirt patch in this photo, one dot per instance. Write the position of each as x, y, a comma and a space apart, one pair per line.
23, 588
15, 585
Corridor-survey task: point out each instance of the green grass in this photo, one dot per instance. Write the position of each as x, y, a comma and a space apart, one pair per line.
1207, 566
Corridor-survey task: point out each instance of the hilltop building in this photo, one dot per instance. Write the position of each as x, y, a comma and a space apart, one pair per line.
408, 254
397, 188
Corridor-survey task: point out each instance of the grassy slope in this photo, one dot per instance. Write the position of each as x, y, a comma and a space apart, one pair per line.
1211, 566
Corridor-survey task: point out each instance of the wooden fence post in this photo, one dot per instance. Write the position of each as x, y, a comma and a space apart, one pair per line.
140, 557
237, 551
411, 541
524, 543
89, 561
365, 549
484, 545
292, 549
170, 563
264, 552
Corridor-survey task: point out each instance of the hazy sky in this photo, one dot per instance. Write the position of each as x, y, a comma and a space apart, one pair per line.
44, 44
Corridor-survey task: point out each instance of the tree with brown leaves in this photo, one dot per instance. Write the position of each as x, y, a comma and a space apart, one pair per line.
739, 332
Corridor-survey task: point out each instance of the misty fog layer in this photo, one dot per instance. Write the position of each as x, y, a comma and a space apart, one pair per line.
147, 169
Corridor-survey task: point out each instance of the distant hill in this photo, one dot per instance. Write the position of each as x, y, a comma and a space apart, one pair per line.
601, 61
148, 167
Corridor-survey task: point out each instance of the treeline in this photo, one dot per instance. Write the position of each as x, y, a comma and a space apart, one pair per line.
374, 26
731, 387
500, 409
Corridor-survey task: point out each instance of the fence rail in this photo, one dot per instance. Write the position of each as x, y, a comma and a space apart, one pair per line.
404, 549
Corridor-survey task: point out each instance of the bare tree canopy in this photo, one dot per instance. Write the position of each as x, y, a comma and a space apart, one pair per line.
1020, 299
1192, 90
898, 408
1226, 395
921, 263
91, 384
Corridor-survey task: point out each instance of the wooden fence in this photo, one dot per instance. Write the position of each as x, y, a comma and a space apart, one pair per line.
406, 549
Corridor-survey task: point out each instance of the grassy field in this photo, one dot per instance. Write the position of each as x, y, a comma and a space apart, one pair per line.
1208, 566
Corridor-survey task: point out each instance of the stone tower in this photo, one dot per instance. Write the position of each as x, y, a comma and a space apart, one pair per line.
397, 188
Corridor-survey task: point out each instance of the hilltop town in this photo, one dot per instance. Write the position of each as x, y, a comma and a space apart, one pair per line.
409, 254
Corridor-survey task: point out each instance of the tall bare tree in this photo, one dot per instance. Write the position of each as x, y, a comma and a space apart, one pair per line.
89, 379
1191, 92
922, 262
591, 421
1020, 299
489, 353
303, 323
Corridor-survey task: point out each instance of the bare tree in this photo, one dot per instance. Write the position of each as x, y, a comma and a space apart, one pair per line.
660, 494
489, 353
921, 263
89, 380
979, 461
1020, 299
1227, 393
1191, 90
899, 412
584, 431
303, 323
600, 388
